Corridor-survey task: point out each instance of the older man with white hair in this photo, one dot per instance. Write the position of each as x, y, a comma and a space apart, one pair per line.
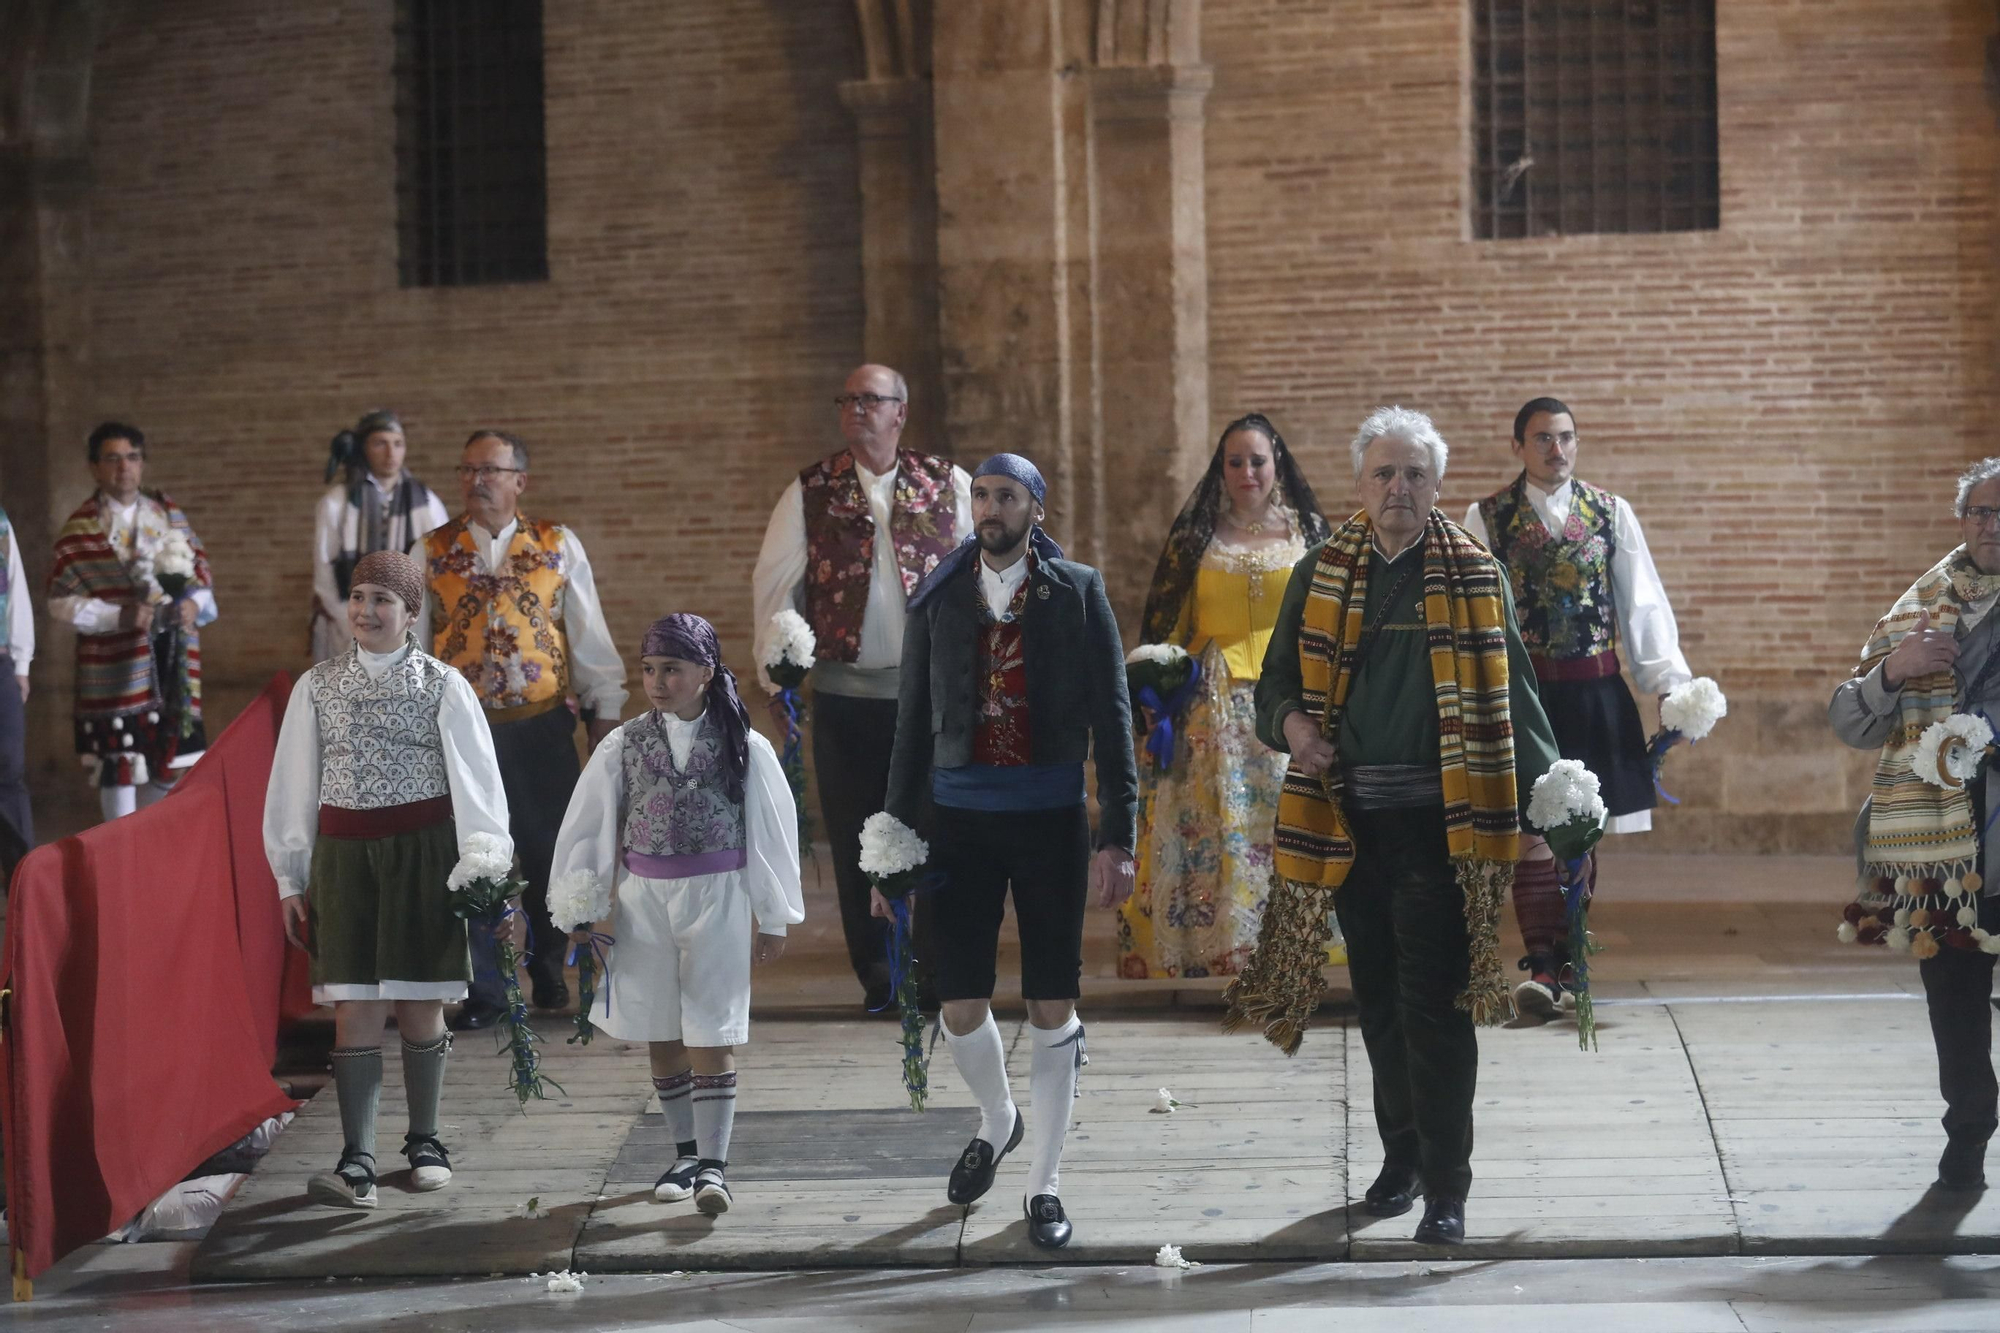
1930, 884
1397, 680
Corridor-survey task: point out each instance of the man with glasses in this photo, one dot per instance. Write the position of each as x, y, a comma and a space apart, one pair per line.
1929, 885
510, 602
1585, 589
847, 543
138, 652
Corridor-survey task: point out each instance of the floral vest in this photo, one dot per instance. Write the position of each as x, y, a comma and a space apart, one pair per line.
1000, 732
674, 811
1562, 581
502, 631
840, 540
378, 739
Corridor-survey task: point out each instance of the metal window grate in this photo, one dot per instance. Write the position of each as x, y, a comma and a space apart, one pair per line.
471, 171
1593, 116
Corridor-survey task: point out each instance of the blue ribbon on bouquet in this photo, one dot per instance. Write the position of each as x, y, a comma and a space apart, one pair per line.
1576, 904
594, 946
788, 698
902, 984
1160, 739
1656, 758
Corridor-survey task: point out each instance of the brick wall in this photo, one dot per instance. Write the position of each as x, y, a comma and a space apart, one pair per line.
1784, 400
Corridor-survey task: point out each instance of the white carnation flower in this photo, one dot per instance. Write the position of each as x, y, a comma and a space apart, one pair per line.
175, 556
577, 898
566, 1281
1166, 654
1693, 709
1566, 793
791, 640
1169, 1256
889, 846
481, 856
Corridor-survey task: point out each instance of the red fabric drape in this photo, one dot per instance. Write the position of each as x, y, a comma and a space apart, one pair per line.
148, 973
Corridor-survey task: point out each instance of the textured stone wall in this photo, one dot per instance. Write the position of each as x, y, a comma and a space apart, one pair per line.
1784, 400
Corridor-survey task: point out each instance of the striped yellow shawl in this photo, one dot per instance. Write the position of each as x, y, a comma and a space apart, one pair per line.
1463, 591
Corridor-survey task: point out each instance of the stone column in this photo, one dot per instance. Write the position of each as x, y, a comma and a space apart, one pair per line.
899, 235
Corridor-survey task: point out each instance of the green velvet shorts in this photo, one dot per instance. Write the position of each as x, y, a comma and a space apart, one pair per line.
379, 910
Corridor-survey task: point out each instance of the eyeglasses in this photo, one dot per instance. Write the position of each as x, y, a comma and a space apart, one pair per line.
1981, 514
869, 401
486, 473
1544, 439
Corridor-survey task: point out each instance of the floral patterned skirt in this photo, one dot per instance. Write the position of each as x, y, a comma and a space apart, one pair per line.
1205, 829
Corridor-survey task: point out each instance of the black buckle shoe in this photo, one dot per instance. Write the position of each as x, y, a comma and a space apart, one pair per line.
473, 1017
1048, 1225
972, 1175
1394, 1192
1444, 1222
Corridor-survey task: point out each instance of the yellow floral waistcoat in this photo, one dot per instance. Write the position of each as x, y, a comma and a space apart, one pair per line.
502, 631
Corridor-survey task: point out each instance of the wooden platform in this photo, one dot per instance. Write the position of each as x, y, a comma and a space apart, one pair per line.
1779, 1127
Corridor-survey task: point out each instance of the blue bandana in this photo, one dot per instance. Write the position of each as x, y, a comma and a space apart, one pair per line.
1016, 468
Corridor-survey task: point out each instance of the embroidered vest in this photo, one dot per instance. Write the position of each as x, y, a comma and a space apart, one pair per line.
1000, 732
840, 540
378, 739
1562, 581
675, 811
6, 584
502, 631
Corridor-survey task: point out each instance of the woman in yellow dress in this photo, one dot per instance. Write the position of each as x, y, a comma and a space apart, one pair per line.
1206, 820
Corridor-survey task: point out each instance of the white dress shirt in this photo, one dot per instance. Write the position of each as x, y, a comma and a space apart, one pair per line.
94, 615
592, 836
779, 579
20, 611
291, 802
1648, 638
596, 671
999, 585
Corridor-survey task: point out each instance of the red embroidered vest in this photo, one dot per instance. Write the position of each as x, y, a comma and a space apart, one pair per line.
1000, 734
840, 540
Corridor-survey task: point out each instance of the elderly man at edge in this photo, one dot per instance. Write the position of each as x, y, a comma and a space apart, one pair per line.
1927, 874
511, 604
1401, 809
846, 545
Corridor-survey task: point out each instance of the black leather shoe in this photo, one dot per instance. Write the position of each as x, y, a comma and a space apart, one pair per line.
1394, 1192
551, 994
972, 1175
1963, 1166
472, 1017
1048, 1225
1444, 1222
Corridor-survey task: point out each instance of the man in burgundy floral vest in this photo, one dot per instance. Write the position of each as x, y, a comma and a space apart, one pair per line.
847, 542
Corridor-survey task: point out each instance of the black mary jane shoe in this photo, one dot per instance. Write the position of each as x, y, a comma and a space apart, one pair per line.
1444, 1222
1394, 1192
972, 1174
473, 1017
1048, 1224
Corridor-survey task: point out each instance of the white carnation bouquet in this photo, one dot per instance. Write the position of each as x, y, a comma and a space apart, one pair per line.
1160, 678
578, 899
481, 887
788, 656
1688, 713
174, 564
1951, 752
1568, 808
891, 852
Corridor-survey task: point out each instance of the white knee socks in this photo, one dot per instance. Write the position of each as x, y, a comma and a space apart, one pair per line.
1052, 1077
981, 1058
714, 1101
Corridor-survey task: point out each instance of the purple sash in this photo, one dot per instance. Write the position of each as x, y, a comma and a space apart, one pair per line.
686, 867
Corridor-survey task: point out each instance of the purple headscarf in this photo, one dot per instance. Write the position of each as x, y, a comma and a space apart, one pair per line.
693, 639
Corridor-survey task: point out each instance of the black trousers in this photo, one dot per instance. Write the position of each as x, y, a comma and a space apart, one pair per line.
538, 769
1958, 987
1043, 856
851, 742
1408, 957
17, 819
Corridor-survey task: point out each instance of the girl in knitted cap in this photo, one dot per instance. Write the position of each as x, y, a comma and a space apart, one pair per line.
687, 811
384, 775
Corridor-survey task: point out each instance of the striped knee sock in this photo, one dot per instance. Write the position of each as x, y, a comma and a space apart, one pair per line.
714, 1115
677, 1109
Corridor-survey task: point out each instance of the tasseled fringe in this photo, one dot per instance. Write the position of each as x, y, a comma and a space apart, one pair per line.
1485, 885
1279, 988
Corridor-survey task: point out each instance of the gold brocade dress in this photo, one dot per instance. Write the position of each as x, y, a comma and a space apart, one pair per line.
1205, 824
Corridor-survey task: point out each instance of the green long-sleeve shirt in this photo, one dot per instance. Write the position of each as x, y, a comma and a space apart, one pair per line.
1391, 715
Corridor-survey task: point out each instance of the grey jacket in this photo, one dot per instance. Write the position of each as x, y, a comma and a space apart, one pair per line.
1077, 703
